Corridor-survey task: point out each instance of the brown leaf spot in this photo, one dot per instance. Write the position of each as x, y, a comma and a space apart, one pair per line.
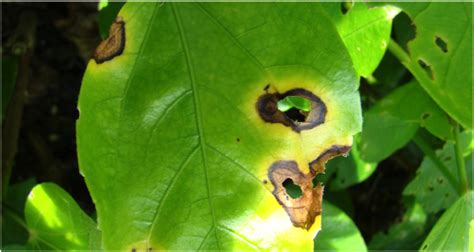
319, 164
267, 108
113, 45
304, 209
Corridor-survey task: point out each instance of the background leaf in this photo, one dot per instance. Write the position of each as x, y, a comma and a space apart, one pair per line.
56, 221
12, 231
430, 187
107, 13
394, 120
440, 54
451, 232
338, 232
365, 32
405, 235
172, 148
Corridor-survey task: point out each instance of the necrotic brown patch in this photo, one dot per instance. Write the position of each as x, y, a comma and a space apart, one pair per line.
304, 209
113, 45
298, 121
318, 165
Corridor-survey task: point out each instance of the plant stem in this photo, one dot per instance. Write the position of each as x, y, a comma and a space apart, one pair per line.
463, 184
426, 148
398, 52
22, 42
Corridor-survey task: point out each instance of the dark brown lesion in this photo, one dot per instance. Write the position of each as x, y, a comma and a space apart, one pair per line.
318, 165
304, 209
297, 120
114, 44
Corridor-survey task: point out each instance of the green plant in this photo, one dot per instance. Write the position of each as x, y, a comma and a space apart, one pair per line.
186, 137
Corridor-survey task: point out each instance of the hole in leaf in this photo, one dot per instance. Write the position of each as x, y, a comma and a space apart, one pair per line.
425, 116
427, 68
440, 180
238, 139
346, 6
441, 44
296, 115
291, 189
298, 108
424, 247
404, 29
319, 180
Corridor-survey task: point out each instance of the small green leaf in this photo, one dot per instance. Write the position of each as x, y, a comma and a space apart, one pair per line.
297, 102
365, 32
57, 222
430, 187
451, 232
338, 232
394, 120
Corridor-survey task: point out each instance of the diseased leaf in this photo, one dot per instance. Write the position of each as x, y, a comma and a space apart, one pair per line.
180, 140
394, 120
451, 232
365, 32
431, 188
56, 222
338, 232
441, 54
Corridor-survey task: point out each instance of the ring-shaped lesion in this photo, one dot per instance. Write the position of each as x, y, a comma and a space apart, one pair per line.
267, 107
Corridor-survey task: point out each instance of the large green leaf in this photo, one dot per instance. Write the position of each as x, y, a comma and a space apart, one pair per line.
171, 144
365, 32
338, 232
431, 187
394, 120
55, 221
440, 56
451, 232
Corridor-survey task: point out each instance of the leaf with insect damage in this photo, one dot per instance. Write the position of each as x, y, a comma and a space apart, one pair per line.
180, 139
440, 55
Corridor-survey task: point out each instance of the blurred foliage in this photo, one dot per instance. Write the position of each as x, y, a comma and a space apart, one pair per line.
413, 96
